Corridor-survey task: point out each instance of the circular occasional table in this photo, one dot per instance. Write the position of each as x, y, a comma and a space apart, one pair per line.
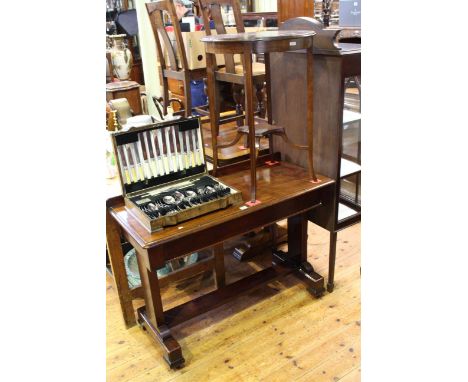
246, 44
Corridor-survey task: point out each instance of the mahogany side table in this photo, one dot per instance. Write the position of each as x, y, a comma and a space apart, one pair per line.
126, 89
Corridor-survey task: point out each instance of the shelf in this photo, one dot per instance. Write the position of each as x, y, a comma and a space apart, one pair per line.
348, 168
347, 216
345, 212
350, 116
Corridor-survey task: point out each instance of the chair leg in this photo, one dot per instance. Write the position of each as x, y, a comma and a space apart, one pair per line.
217, 104
269, 114
260, 99
237, 95
188, 96
220, 276
212, 99
165, 95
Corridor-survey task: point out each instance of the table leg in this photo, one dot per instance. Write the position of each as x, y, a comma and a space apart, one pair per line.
260, 99
249, 115
297, 249
151, 316
269, 112
116, 257
212, 100
310, 112
331, 262
237, 95
220, 274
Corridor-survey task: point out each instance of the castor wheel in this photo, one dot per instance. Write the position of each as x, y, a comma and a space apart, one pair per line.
307, 267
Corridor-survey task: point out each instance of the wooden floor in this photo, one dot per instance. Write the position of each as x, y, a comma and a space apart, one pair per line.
276, 333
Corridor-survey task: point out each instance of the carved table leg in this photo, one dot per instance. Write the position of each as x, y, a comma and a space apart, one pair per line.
151, 316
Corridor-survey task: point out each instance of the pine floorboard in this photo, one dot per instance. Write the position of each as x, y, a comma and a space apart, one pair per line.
276, 333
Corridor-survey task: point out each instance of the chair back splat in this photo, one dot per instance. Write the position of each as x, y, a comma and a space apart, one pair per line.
214, 8
157, 10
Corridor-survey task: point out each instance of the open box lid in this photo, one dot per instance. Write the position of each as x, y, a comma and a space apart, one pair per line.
159, 154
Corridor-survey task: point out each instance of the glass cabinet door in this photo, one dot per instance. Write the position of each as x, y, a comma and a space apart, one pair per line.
350, 172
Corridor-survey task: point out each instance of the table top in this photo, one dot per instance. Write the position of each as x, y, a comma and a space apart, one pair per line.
121, 85
268, 35
286, 183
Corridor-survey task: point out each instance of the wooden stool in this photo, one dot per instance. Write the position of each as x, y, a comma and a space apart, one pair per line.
247, 44
126, 89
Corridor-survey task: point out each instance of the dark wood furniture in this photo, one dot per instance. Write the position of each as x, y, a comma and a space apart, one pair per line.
118, 272
265, 43
294, 8
334, 63
231, 72
269, 19
126, 89
153, 250
171, 70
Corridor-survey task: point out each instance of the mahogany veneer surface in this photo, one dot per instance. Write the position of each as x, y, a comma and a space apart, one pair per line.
274, 184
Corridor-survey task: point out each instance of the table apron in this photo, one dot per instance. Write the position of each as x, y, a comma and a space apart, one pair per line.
234, 227
258, 46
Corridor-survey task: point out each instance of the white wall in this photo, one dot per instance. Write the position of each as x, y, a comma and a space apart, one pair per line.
148, 55
265, 5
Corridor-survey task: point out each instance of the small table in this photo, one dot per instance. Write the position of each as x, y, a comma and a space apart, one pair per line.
246, 44
126, 89
287, 193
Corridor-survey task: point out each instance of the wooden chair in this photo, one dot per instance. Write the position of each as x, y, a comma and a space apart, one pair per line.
156, 11
232, 72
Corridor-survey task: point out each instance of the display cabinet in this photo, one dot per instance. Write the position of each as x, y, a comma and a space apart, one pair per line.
337, 121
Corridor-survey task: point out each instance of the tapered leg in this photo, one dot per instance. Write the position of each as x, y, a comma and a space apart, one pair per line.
250, 122
187, 95
310, 112
212, 101
269, 113
237, 95
260, 99
165, 89
331, 262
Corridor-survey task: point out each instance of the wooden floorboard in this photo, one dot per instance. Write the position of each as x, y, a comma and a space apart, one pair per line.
276, 333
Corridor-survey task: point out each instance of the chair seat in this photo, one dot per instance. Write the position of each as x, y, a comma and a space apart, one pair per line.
262, 129
258, 69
